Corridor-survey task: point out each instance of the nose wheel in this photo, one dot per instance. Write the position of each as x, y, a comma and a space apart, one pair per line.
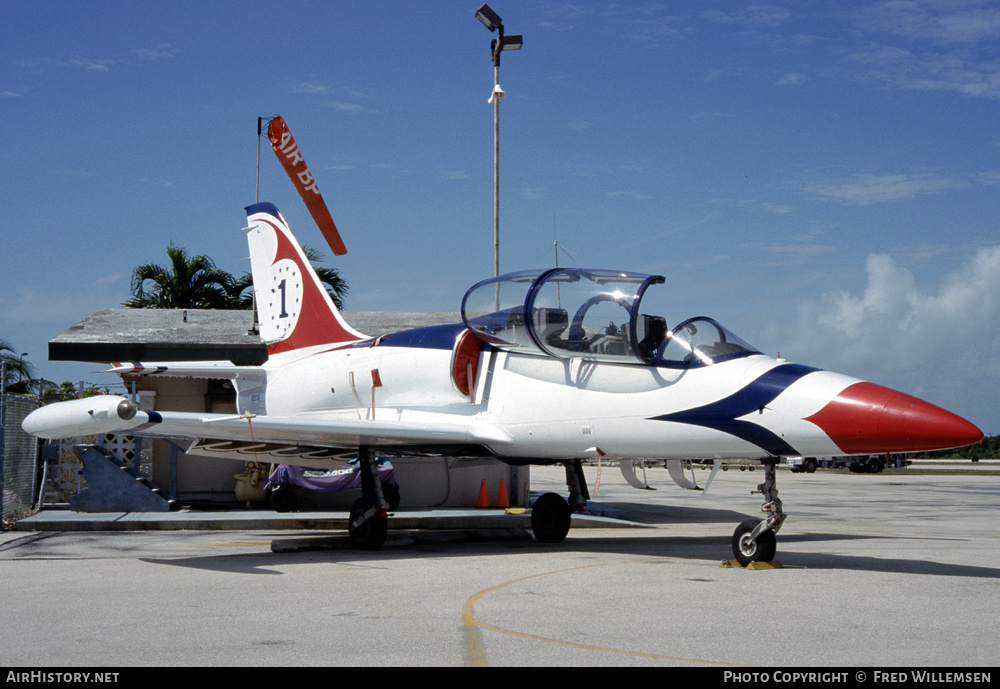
755, 539
748, 547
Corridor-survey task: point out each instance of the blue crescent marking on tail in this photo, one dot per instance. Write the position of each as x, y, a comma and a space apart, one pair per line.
724, 415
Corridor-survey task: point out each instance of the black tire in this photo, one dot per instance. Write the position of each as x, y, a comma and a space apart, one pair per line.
370, 535
810, 466
761, 551
283, 499
550, 517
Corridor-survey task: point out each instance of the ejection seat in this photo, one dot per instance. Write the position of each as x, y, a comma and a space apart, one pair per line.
550, 323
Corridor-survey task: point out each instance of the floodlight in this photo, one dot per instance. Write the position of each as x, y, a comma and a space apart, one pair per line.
512, 42
490, 19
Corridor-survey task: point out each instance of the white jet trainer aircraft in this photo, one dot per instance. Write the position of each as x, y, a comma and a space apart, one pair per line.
551, 366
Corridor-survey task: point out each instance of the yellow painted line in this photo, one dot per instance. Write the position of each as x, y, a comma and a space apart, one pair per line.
474, 648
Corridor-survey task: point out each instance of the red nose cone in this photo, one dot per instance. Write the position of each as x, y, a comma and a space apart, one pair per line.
870, 419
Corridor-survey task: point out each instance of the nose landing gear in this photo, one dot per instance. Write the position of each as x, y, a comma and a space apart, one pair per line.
754, 540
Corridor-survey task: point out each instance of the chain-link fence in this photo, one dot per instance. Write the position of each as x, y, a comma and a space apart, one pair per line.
18, 458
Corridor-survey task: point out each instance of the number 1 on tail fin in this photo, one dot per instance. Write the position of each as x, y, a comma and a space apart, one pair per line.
294, 309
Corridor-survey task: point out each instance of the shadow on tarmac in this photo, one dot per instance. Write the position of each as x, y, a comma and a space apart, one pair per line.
313, 548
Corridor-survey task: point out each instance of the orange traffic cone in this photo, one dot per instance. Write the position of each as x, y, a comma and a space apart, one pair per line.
502, 500
484, 496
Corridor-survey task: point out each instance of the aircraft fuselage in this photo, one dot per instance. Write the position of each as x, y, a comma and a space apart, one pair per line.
574, 408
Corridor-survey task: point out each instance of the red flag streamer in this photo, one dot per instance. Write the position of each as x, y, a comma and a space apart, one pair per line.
288, 153
376, 383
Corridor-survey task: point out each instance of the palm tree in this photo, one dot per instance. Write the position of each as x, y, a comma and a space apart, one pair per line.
335, 285
18, 370
187, 283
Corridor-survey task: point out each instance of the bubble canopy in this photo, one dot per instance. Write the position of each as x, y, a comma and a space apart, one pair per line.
592, 314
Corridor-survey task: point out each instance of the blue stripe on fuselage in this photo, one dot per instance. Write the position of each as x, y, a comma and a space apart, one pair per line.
429, 337
724, 415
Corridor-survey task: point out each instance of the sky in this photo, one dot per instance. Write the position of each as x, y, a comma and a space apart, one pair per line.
821, 177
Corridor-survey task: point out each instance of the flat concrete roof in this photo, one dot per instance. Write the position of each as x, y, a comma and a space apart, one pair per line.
193, 334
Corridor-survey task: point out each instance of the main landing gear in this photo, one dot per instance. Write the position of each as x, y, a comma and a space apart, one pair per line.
550, 515
368, 524
754, 540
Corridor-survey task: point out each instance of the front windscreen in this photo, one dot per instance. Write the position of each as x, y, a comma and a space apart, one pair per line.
700, 342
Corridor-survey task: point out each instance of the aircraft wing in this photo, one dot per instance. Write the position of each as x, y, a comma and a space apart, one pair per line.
319, 430
320, 436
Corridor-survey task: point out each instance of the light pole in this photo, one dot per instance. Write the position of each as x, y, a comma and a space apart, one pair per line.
491, 20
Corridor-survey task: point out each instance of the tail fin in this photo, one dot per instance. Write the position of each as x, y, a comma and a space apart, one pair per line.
293, 307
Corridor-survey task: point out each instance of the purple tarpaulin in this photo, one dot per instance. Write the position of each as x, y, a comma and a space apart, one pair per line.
328, 480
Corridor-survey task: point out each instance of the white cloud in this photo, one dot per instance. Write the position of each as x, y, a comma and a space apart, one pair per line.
163, 51
903, 69
865, 189
935, 21
348, 107
932, 46
632, 194
793, 252
311, 87
792, 79
91, 65
943, 346
753, 15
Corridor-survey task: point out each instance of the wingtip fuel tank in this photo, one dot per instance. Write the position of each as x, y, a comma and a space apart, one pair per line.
87, 416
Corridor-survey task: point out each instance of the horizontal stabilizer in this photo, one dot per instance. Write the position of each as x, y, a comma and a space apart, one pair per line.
215, 370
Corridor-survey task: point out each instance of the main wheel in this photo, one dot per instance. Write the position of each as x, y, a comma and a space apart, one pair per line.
746, 550
283, 499
550, 517
370, 535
